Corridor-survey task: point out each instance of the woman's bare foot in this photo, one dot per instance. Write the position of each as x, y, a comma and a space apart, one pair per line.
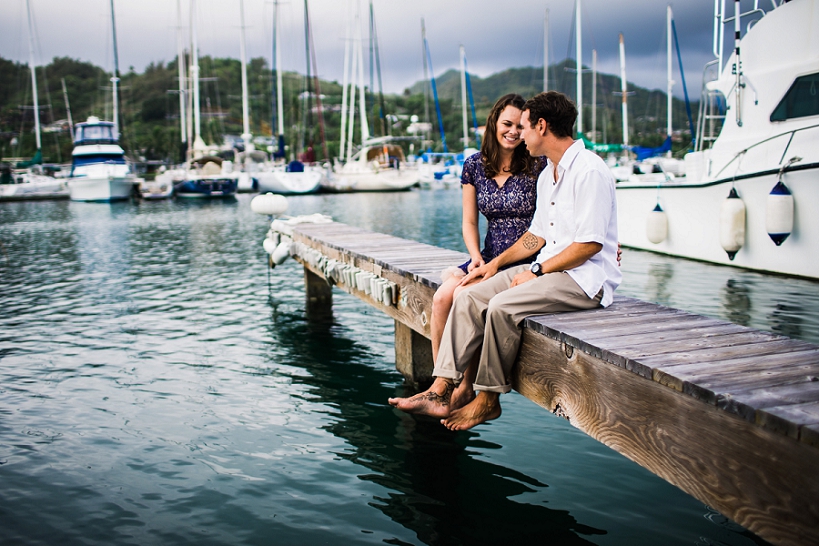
435, 401
485, 407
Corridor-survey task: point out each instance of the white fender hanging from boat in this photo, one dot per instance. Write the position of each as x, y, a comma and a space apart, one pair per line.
269, 204
732, 224
779, 213
657, 225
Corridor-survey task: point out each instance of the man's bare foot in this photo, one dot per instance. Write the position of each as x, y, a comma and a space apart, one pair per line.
485, 407
462, 395
435, 401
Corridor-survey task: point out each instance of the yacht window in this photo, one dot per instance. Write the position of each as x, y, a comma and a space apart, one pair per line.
801, 100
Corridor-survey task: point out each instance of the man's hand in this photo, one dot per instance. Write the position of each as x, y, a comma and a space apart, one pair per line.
479, 274
522, 277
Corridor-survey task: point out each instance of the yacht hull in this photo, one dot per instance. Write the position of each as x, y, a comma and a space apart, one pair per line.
101, 189
693, 214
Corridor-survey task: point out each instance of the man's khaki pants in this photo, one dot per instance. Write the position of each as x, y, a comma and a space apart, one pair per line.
487, 318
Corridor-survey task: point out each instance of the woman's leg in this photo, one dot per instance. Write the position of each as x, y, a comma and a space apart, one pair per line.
441, 304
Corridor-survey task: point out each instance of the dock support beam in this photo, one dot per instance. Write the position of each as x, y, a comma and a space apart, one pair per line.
319, 296
413, 355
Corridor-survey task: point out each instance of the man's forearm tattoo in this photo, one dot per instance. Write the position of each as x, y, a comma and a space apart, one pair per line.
529, 241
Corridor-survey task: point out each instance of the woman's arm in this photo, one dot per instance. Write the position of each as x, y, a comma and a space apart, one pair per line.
470, 227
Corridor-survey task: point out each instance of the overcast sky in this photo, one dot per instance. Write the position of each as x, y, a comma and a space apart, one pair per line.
496, 35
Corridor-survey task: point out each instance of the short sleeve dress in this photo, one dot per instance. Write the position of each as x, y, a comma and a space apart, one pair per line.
508, 209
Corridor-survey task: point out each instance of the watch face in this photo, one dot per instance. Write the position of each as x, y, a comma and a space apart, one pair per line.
535, 268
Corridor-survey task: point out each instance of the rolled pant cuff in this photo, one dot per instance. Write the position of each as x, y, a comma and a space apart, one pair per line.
455, 375
502, 389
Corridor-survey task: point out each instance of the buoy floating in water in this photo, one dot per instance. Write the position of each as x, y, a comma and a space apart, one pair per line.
657, 225
779, 213
732, 224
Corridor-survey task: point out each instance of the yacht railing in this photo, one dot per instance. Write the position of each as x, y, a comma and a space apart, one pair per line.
789, 134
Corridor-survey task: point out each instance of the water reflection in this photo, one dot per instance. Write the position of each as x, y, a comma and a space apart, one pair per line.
736, 301
437, 486
659, 278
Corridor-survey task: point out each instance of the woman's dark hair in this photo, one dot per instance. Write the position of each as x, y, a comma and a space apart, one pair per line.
554, 108
522, 162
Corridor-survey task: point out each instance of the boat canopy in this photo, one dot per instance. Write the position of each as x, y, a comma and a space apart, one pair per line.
644, 152
94, 131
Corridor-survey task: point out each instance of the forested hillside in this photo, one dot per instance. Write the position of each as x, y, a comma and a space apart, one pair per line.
149, 106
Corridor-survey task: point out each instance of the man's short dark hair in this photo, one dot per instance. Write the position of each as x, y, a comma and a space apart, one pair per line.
554, 108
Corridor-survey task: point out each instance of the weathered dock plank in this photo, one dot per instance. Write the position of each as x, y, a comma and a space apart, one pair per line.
726, 413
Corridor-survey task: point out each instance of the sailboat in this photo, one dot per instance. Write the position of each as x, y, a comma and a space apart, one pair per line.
747, 200
99, 170
205, 175
379, 163
294, 177
27, 181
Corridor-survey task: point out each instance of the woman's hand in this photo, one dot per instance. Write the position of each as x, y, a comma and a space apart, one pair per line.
475, 263
479, 274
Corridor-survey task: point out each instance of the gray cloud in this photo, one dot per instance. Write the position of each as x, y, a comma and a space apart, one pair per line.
496, 36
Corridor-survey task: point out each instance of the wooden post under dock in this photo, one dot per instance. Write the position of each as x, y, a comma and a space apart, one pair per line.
726, 413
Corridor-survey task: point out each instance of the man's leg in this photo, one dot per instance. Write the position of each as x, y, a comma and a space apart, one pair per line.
460, 345
551, 293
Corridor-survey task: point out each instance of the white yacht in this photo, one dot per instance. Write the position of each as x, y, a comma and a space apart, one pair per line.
745, 201
99, 171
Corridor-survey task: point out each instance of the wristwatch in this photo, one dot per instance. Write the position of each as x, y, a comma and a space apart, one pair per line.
536, 269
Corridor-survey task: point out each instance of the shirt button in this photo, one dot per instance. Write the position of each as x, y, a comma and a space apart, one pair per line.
553, 203
551, 223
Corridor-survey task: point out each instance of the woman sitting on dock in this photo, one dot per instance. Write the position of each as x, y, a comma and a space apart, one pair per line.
499, 182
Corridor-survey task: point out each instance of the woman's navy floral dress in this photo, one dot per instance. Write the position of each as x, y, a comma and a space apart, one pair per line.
508, 209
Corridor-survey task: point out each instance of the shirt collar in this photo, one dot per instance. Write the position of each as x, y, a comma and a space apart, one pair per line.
568, 157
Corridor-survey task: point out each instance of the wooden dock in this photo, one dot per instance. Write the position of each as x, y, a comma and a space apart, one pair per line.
726, 413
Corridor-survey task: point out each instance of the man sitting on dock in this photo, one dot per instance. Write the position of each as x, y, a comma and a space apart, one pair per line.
575, 229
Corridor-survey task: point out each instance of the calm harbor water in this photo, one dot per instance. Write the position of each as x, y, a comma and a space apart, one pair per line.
158, 385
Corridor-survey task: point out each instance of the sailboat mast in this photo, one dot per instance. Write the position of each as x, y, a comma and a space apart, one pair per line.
594, 95
197, 116
546, 51
345, 80
33, 78
353, 78
246, 136
579, 69
365, 128
68, 110
426, 76
623, 89
669, 18
180, 56
382, 107
317, 82
277, 61
115, 79
463, 97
